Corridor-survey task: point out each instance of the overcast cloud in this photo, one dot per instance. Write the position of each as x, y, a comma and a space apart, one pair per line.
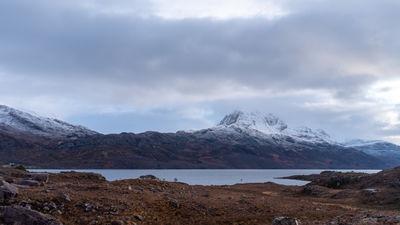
168, 65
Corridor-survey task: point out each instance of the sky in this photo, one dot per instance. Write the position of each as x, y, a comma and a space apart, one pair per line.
173, 65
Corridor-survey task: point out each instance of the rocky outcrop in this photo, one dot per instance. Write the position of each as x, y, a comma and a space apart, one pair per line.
285, 221
7, 191
39, 177
13, 215
315, 190
28, 182
332, 179
12, 211
366, 219
148, 177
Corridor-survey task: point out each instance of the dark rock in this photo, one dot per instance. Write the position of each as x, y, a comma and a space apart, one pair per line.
94, 177
65, 197
117, 222
7, 191
28, 182
12, 215
139, 217
148, 177
50, 206
174, 203
20, 167
89, 207
25, 204
315, 190
285, 221
365, 219
40, 177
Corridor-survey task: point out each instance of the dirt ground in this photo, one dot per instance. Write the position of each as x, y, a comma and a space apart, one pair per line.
88, 199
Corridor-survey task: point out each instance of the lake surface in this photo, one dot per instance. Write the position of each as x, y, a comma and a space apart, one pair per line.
209, 177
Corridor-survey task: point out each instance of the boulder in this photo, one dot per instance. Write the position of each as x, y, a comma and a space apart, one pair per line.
65, 197
174, 203
117, 222
138, 217
148, 177
28, 182
40, 177
315, 190
7, 191
285, 221
11, 215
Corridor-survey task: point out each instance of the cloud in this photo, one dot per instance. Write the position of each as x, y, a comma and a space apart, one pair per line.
329, 60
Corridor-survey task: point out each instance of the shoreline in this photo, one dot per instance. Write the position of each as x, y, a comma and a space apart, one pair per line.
74, 198
208, 176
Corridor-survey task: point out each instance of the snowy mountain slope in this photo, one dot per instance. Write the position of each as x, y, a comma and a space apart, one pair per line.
361, 142
264, 126
375, 147
12, 120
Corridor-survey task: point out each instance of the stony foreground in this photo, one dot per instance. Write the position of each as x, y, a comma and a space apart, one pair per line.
88, 199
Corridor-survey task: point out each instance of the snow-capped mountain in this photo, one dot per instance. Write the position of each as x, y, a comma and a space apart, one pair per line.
375, 147
266, 126
12, 120
265, 123
241, 140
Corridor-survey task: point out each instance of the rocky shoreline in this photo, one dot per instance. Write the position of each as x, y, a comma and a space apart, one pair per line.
72, 198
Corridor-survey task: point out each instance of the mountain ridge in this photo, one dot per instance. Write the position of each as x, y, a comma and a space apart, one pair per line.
19, 121
240, 141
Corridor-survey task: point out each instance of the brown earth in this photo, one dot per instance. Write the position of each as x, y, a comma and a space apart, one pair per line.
88, 199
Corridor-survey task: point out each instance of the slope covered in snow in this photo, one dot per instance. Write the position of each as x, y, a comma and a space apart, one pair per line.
361, 142
375, 147
18, 121
266, 126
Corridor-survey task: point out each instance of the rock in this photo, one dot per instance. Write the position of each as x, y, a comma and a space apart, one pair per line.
12, 215
25, 204
7, 191
28, 182
148, 177
366, 219
174, 203
371, 190
40, 177
88, 207
93, 222
20, 167
285, 221
117, 222
50, 206
315, 190
139, 217
65, 197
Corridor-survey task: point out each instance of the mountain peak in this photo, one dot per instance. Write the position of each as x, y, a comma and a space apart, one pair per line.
267, 125
19, 121
264, 122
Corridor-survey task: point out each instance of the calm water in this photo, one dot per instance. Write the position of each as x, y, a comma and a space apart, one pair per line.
210, 177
